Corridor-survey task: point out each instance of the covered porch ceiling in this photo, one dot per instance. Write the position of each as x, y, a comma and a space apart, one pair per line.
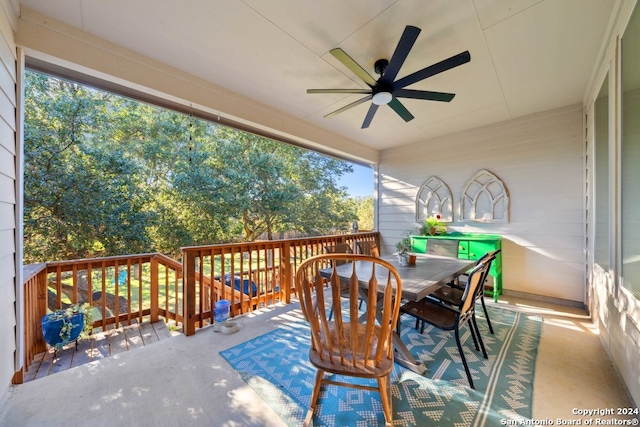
527, 56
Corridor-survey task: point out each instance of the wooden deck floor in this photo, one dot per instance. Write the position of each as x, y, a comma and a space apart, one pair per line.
98, 346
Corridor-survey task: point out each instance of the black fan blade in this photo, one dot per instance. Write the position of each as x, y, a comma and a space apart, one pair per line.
447, 64
348, 106
409, 37
363, 91
367, 119
424, 94
400, 109
356, 69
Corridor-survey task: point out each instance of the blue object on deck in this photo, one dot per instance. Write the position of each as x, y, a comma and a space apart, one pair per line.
242, 285
52, 323
221, 311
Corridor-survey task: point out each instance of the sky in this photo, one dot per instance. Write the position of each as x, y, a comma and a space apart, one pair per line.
358, 183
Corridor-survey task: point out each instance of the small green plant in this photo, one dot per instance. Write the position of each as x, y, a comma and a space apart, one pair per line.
404, 245
433, 225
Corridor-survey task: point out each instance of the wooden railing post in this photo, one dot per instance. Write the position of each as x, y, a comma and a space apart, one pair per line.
287, 279
35, 306
41, 345
154, 291
189, 292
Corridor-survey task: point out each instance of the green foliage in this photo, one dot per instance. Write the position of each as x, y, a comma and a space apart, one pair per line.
106, 172
404, 245
364, 211
433, 225
78, 188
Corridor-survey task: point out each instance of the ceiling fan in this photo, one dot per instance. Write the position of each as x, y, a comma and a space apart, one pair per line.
386, 90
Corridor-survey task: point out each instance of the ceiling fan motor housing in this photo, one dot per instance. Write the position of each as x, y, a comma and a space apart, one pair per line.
380, 66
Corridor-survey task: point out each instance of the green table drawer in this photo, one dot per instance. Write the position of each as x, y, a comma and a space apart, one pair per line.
463, 249
464, 246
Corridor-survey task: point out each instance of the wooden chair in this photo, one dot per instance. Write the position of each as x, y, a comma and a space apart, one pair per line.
452, 319
338, 248
368, 248
453, 294
352, 344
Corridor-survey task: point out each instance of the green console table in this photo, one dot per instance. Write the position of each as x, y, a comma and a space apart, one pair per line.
466, 246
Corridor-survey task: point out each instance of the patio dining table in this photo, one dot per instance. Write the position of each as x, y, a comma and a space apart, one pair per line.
419, 280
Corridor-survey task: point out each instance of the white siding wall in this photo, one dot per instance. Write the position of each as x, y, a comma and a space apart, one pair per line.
7, 195
614, 310
540, 160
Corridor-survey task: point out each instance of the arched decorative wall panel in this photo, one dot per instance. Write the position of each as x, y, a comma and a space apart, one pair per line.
484, 199
434, 197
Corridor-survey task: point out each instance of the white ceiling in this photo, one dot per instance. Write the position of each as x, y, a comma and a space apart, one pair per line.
526, 55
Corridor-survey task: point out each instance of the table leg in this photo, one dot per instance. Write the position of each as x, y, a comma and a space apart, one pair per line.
404, 358
401, 353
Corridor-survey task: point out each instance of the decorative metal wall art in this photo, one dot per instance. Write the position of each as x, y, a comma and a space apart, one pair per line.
484, 199
434, 197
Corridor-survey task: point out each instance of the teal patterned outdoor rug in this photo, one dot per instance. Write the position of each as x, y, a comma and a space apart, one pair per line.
276, 365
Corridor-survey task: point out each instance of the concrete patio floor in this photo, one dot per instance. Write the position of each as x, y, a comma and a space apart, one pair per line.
183, 381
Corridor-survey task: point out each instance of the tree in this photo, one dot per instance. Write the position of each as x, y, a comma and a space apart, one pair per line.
103, 171
364, 211
273, 187
77, 194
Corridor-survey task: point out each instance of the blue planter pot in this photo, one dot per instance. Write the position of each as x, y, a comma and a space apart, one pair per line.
51, 329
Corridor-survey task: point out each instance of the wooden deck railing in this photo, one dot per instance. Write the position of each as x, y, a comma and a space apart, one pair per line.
141, 287
35, 306
123, 289
249, 275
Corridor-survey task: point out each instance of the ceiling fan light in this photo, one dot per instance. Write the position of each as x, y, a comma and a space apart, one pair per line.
382, 98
